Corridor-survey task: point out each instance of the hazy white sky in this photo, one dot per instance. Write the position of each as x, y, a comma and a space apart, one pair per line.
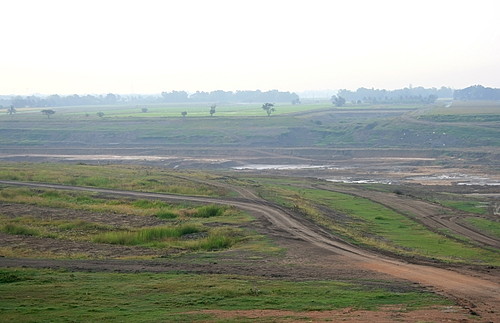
148, 46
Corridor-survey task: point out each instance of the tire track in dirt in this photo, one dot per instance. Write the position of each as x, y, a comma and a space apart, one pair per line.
478, 292
432, 215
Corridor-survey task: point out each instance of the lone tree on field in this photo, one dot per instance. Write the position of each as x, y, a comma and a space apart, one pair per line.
48, 112
338, 100
100, 114
144, 110
184, 114
212, 110
11, 110
269, 108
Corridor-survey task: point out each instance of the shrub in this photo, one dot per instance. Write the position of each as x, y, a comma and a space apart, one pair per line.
217, 239
209, 211
165, 214
216, 242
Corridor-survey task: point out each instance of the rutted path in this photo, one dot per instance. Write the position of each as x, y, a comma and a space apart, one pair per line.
432, 215
473, 290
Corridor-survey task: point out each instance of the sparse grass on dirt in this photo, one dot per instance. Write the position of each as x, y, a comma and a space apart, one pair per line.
92, 202
137, 178
57, 296
178, 226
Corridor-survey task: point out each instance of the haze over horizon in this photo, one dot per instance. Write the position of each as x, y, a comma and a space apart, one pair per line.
85, 47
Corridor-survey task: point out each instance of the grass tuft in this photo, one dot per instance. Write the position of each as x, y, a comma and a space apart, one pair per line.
166, 214
209, 211
19, 230
147, 235
217, 239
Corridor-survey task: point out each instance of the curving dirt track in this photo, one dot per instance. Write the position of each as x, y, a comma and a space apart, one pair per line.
479, 292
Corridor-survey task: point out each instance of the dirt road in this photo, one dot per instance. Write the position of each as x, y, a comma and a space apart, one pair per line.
480, 292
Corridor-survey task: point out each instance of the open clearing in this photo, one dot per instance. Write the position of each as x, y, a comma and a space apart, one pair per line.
433, 167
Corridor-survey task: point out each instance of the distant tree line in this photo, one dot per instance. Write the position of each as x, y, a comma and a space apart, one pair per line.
229, 96
406, 95
477, 92
58, 100
171, 97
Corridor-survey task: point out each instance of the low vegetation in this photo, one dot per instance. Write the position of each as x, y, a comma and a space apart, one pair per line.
179, 226
18, 230
137, 178
478, 207
488, 225
57, 296
300, 125
371, 224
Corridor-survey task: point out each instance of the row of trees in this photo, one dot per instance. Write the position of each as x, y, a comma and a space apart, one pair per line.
406, 95
229, 96
477, 92
171, 97
268, 107
70, 100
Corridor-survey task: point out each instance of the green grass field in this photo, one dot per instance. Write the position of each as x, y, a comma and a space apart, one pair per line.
159, 110
57, 296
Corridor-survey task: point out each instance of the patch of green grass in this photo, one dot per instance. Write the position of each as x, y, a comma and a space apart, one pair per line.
166, 214
477, 207
19, 230
147, 235
57, 296
209, 211
217, 239
123, 177
150, 204
489, 226
13, 276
